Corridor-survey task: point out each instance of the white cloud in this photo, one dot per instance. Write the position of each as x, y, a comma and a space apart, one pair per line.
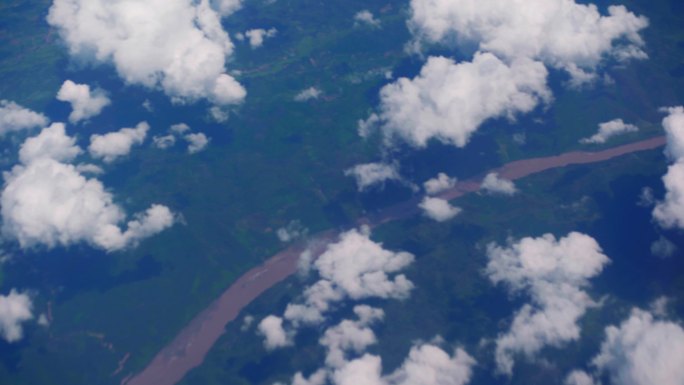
164, 142
219, 114
438, 209
50, 203
354, 268
292, 231
196, 142
51, 143
15, 308
426, 365
14, 117
561, 33
357, 268
674, 129
275, 336
350, 336
643, 351
84, 103
176, 45
370, 174
610, 129
670, 212
113, 145
493, 184
429, 365
256, 36
554, 273
226, 7
179, 128
366, 17
578, 377
438, 184
449, 101
308, 94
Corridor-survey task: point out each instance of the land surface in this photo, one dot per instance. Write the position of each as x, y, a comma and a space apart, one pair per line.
189, 348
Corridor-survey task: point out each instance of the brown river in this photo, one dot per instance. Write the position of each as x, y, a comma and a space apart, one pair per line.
191, 345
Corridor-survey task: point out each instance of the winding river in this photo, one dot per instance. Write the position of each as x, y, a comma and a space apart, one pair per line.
191, 345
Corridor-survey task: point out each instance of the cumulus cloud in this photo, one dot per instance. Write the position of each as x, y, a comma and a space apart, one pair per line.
561, 33
15, 308
51, 143
643, 351
357, 268
196, 142
84, 103
365, 17
370, 174
438, 209
48, 202
663, 247
426, 365
449, 101
226, 7
308, 94
256, 36
178, 46
14, 117
179, 128
164, 142
493, 184
579, 377
439, 183
350, 336
670, 212
292, 231
354, 268
608, 130
113, 145
275, 336
554, 273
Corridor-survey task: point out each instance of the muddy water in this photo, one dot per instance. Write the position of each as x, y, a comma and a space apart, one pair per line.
191, 345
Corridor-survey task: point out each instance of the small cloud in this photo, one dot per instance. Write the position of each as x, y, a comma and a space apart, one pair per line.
113, 145
438, 209
579, 377
43, 321
275, 336
84, 103
292, 231
308, 94
643, 351
247, 323
663, 248
608, 130
15, 309
164, 142
147, 105
179, 128
256, 36
196, 142
438, 184
370, 174
14, 117
218, 114
493, 184
365, 17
